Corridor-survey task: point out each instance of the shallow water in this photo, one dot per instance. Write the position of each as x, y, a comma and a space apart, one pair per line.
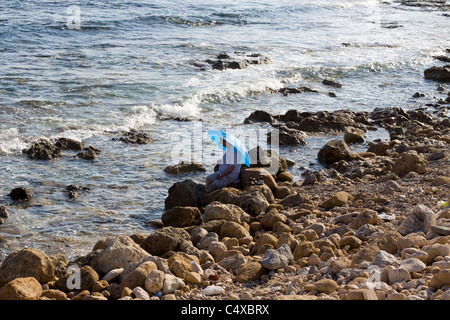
130, 65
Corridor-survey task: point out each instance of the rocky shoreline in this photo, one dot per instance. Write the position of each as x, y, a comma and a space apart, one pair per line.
371, 225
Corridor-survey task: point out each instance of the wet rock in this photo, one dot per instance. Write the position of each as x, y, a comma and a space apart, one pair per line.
73, 190
442, 58
287, 91
237, 61
164, 240
389, 117
334, 151
180, 217
89, 153
43, 150
187, 193
21, 193
287, 136
135, 137
332, 122
26, 288
27, 262
259, 116
353, 135
88, 277
184, 167
441, 74
69, 144
332, 83
4, 214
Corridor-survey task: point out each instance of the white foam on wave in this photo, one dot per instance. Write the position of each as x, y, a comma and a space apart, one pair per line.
137, 117
188, 108
10, 142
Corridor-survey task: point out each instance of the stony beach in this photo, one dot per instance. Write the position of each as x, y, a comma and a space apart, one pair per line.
372, 225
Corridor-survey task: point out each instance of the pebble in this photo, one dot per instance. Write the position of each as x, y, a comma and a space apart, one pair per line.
141, 293
213, 290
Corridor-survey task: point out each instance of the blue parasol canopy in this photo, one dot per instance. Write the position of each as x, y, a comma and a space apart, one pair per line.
218, 135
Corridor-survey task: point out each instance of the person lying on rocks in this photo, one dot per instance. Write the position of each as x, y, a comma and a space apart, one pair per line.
229, 169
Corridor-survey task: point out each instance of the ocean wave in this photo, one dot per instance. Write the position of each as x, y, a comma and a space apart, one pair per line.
10, 142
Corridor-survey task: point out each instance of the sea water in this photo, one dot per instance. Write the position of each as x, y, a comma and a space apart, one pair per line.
90, 70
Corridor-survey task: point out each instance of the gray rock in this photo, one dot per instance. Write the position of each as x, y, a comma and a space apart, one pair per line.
413, 265
277, 259
384, 258
119, 252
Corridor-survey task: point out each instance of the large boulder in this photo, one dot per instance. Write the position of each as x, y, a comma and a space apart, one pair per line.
334, 151
135, 276
184, 167
180, 217
164, 240
28, 262
441, 74
21, 193
410, 161
224, 195
353, 135
27, 288
187, 193
43, 150
254, 202
87, 278
69, 144
287, 136
118, 252
233, 230
230, 212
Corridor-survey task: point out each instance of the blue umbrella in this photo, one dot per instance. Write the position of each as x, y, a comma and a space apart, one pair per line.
217, 135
